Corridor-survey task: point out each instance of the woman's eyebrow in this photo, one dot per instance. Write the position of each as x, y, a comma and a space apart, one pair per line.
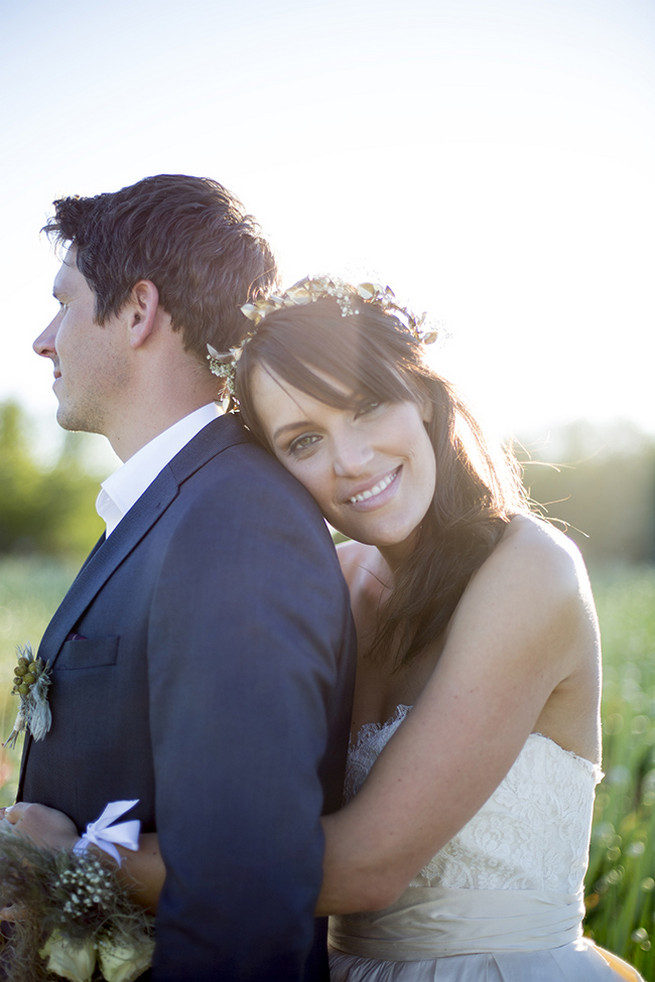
297, 424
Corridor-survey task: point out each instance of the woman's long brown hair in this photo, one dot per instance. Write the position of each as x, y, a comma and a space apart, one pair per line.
372, 355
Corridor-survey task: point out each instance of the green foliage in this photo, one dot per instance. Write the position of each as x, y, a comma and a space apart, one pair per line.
621, 879
44, 509
601, 484
621, 876
30, 591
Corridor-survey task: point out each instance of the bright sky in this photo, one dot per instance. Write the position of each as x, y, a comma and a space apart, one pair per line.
494, 162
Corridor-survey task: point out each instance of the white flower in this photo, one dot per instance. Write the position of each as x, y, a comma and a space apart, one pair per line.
75, 962
124, 963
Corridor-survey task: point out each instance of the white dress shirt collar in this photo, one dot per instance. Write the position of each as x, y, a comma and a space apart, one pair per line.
126, 485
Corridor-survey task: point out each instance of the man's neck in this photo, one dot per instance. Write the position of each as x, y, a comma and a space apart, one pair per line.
123, 488
143, 426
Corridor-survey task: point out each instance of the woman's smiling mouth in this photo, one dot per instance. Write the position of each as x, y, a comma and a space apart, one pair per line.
376, 489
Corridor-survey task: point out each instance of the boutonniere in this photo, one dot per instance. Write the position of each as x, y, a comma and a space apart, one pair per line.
31, 681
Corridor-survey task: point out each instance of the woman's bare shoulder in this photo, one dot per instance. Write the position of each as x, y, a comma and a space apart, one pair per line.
537, 547
535, 579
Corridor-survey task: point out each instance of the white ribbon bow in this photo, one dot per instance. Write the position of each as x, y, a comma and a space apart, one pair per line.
103, 834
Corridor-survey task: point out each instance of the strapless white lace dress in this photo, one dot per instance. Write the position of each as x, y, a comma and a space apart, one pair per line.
503, 900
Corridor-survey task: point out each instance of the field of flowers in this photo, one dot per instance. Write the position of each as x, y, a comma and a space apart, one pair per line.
621, 880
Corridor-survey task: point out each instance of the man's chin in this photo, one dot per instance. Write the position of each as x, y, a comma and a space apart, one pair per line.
72, 422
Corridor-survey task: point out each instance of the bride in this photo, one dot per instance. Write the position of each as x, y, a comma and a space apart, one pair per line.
461, 851
475, 744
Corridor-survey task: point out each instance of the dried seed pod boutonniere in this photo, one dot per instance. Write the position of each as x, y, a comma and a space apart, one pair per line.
31, 681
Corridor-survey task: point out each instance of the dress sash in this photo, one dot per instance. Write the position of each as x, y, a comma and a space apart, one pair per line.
434, 922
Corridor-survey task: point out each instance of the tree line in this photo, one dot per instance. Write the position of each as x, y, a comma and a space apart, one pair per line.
597, 485
45, 508
600, 488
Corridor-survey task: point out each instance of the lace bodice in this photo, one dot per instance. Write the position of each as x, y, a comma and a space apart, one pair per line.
502, 900
531, 834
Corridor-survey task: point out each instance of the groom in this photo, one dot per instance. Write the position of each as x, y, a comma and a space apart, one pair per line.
202, 660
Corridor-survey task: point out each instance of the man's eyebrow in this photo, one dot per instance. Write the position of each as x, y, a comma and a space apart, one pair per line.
60, 290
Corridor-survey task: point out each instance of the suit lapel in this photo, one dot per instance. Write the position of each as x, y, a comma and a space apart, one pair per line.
105, 558
108, 554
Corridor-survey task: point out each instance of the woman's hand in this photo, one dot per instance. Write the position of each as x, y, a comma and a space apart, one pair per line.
142, 873
45, 826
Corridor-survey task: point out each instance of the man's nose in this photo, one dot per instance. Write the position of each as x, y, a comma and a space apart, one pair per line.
45, 343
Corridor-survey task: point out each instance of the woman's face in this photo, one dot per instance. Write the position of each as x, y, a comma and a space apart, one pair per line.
371, 468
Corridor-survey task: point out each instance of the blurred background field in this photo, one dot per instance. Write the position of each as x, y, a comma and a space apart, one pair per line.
621, 881
30, 591
620, 893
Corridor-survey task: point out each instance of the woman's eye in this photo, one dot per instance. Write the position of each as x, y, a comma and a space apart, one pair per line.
301, 443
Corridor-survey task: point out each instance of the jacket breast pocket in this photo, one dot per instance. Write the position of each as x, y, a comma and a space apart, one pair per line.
81, 653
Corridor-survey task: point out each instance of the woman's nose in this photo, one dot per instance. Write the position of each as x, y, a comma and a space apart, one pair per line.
352, 454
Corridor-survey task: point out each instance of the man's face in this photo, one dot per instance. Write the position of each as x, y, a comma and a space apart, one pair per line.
89, 359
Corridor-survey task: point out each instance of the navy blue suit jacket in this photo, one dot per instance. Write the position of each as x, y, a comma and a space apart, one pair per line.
202, 662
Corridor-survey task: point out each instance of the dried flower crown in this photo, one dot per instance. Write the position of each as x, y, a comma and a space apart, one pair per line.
349, 297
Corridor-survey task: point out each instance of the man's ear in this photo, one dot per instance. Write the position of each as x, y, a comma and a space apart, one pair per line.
142, 311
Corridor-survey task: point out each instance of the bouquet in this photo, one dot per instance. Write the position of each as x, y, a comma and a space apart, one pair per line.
67, 916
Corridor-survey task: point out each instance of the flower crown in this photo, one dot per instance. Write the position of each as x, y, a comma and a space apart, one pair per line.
348, 296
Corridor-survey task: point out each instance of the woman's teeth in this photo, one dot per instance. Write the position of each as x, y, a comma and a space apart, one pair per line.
378, 489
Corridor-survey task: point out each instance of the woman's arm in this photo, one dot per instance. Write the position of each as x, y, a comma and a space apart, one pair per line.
521, 654
142, 873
